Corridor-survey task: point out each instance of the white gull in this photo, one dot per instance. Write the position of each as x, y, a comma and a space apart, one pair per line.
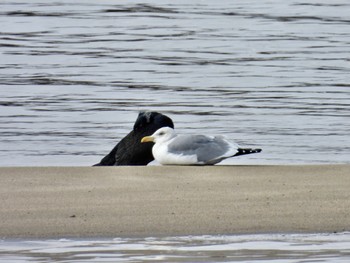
173, 149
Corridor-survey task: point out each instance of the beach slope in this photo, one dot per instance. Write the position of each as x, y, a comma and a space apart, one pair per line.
53, 202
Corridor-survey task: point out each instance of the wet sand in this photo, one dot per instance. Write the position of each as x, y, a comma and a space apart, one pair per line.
53, 202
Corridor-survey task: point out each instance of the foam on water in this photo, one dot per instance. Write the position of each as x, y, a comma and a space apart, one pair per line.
241, 248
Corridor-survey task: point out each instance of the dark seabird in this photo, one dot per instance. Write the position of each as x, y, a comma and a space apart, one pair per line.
173, 149
130, 150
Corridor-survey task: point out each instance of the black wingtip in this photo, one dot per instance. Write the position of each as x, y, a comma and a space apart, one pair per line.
243, 151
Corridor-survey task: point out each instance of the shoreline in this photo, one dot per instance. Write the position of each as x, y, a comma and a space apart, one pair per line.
141, 201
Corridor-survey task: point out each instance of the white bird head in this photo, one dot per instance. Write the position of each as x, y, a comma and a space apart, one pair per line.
161, 135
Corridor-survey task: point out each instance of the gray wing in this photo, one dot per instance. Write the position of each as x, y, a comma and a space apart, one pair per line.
206, 148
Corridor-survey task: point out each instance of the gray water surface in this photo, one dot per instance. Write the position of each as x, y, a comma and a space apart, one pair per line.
268, 74
288, 248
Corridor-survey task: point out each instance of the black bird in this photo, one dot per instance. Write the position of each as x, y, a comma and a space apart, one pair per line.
130, 150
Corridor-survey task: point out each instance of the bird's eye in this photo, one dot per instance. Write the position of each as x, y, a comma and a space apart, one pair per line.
161, 133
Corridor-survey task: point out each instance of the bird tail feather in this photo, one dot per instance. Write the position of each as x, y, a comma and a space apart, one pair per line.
243, 151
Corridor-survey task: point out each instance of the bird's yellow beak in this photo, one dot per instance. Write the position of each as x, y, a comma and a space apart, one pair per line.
147, 139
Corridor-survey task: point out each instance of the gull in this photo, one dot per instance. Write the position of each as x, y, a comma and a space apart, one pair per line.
173, 149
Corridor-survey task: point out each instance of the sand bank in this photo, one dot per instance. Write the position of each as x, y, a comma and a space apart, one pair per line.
151, 201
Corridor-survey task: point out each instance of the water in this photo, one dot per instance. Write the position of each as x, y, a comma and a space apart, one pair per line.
289, 248
271, 74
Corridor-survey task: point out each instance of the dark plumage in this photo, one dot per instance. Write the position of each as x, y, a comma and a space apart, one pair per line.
130, 150
243, 151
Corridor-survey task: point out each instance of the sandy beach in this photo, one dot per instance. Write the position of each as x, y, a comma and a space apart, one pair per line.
52, 202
